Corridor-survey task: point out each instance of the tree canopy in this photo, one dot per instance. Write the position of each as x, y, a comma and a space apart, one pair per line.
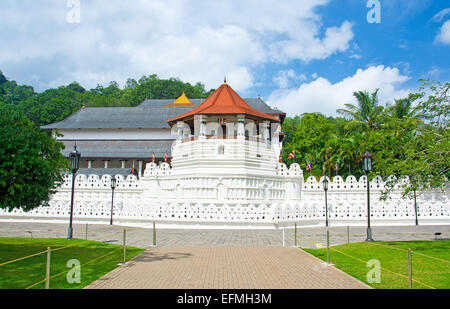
410, 138
30, 162
56, 104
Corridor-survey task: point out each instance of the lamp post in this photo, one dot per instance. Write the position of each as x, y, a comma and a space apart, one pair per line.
75, 164
367, 167
325, 188
113, 186
414, 183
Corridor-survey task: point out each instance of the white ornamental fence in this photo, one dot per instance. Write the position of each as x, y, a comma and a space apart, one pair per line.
347, 205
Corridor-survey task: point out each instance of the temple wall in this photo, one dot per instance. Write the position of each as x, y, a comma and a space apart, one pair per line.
248, 201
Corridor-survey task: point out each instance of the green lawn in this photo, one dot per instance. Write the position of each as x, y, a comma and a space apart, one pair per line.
430, 262
96, 259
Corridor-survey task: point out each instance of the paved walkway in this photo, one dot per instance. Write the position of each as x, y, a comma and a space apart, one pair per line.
226, 268
143, 238
224, 259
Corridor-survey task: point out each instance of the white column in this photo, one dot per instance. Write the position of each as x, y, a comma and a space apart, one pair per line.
202, 131
180, 126
89, 163
241, 126
106, 163
140, 168
266, 125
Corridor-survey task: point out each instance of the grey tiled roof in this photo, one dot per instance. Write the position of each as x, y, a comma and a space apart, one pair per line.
120, 149
150, 114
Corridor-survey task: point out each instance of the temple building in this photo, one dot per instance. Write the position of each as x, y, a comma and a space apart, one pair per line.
222, 171
226, 153
122, 140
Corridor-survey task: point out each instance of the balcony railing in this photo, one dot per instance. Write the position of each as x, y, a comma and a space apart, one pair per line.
229, 137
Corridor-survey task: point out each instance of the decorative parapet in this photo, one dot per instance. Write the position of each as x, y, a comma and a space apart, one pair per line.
134, 201
103, 182
293, 171
151, 169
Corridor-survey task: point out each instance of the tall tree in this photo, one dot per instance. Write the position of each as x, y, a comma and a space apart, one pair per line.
30, 162
367, 113
426, 156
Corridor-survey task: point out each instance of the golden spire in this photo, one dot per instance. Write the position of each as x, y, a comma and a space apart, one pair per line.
181, 101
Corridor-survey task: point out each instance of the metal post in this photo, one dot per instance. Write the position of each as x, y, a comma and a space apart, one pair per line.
348, 234
112, 208
295, 235
47, 275
124, 246
326, 209
154, 233
328, 247
369, 230
283, 236
410, 268
415, 207
86, 230
70, 231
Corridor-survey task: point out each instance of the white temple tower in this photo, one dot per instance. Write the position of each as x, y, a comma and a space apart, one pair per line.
226, 153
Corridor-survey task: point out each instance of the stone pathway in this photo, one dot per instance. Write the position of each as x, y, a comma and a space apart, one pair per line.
307, 237
268, 267
224, 259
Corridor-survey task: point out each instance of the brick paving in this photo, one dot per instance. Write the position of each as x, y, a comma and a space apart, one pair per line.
268, 267
224, 259
307, 237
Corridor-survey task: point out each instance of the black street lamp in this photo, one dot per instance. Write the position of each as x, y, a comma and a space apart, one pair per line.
325, 188
367, 167
414, 183
75, 164
113, 186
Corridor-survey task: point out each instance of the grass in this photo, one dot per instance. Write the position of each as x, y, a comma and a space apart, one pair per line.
96, 259
430, 262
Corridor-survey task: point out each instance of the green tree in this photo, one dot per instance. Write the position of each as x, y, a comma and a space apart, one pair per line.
30, 162
76, 87
426, 149
367, 113
307, 136
3, 78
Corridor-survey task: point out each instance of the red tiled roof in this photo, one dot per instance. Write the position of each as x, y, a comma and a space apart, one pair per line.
224, 101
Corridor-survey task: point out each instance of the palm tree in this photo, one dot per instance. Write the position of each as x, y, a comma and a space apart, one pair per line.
403, 109
367, 112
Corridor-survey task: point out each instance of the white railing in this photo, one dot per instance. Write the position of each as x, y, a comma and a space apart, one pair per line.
347, 203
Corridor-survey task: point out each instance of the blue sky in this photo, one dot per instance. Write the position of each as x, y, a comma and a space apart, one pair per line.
300, 56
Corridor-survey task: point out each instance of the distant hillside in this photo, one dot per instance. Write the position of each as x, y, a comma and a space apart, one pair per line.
56, 104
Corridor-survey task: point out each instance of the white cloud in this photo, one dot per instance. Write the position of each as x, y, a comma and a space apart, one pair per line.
444, 34
199, 40
324, 97
441, 14
285, 77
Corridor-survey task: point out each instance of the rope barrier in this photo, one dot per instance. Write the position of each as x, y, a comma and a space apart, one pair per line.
418, 253
23, 258
89, 262
30, 256
385, 269
66, 271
